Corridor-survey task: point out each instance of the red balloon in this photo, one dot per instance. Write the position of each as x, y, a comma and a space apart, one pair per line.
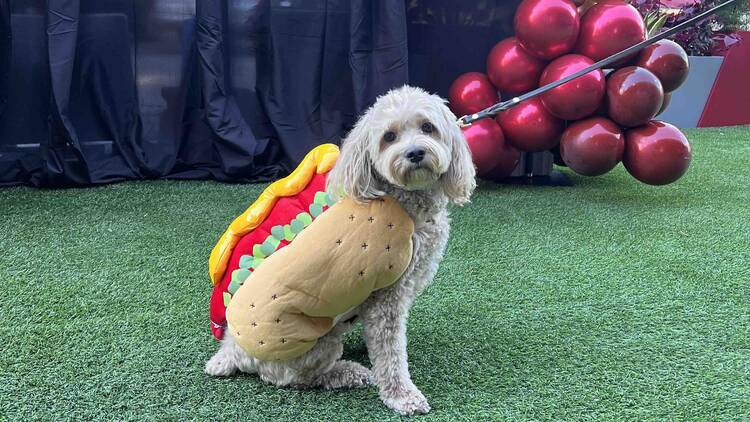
472, 92
668, 61
665, 103
634, 96
608, 28
547, 28
512, 69
575, 99
593, 146
656, 153
556, 157
528, 126
492, 156
506, 163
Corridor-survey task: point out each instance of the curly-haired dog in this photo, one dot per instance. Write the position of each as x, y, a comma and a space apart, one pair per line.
407, 146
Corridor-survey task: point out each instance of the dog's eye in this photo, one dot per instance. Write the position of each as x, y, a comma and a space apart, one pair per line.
427, 127
389, 136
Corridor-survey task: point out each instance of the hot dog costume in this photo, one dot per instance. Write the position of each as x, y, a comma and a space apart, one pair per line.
295, 260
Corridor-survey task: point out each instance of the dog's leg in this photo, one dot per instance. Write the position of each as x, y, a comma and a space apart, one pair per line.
385, 334
320, 367
229, 359
344, 374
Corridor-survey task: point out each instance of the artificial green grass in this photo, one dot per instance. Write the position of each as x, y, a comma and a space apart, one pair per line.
609, 300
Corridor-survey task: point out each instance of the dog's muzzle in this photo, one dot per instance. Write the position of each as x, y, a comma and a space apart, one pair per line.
415, 155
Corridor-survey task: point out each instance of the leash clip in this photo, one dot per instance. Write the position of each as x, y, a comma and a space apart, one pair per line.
462, 123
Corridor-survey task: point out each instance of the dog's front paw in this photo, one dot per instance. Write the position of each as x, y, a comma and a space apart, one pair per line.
407, 402
220, 366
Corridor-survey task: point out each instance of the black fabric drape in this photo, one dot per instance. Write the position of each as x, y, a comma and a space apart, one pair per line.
336, 56
96, 91
449, 37
62, 37
5, 53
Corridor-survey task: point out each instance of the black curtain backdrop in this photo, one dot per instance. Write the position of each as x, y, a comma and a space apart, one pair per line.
98, 91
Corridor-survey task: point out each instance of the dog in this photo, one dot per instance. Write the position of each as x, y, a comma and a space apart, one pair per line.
408, 146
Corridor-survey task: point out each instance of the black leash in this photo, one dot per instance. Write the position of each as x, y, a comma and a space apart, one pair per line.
491, 111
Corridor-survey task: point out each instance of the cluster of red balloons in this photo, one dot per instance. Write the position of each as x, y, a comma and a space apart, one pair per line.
594, 121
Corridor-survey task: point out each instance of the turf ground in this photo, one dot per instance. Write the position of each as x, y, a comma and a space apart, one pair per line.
610, 300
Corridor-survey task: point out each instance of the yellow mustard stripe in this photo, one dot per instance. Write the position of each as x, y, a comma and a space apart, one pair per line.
319, 160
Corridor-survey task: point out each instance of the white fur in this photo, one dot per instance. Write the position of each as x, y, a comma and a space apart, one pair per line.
368, 168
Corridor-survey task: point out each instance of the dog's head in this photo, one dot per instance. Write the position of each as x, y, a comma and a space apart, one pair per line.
410, 139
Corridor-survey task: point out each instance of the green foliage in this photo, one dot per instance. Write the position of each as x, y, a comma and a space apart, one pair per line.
654, 21
737, 16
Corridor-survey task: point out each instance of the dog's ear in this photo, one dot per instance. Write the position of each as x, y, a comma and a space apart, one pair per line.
460, 179
352, 174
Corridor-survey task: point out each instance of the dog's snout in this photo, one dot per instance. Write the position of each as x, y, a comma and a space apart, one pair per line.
415, 155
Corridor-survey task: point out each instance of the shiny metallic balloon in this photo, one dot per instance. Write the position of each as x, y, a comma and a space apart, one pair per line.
668, 61
656, 153
512, 69
634, 96
471, 92
608, 28
556, 157
547, 28
665, 103
593, 146
492, 155
578, 98
530, 127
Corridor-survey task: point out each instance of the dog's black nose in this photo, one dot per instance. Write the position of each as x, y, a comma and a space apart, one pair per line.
415, 155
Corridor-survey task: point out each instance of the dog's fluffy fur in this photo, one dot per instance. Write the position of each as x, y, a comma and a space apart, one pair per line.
371, 165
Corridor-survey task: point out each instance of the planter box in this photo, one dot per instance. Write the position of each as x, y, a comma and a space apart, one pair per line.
689, 100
